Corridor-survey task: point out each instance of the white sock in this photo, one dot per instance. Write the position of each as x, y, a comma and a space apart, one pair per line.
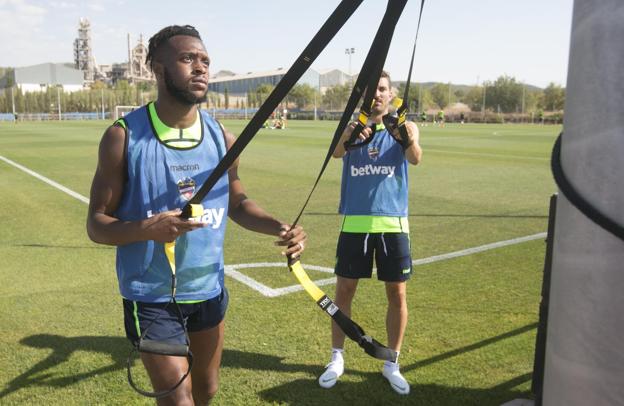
392, 365
337, 354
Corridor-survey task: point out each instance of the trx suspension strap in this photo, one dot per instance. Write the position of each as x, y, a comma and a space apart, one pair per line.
391, 122
333, 24
194, 208
160, 347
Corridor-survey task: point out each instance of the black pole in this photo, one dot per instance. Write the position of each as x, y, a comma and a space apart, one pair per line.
537, 382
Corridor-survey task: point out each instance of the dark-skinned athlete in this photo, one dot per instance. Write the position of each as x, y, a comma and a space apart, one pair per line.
150, 163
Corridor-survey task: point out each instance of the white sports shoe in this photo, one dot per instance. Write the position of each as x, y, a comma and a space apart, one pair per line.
397, 382
332, 372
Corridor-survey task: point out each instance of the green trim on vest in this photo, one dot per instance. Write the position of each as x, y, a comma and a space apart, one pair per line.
120, 122
375, 224
176, 137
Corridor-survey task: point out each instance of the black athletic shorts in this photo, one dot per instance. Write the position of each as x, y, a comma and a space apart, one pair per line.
167, 326
354, 256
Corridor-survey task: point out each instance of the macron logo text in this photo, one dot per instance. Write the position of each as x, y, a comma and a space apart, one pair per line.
369, 169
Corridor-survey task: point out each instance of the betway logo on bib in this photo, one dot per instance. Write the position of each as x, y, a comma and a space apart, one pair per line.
369, 170
212, 217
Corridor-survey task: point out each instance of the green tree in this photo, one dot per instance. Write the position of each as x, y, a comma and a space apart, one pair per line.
262, 92
474, 98
440, 94
336, 97
505, 93
302, 95
554, 97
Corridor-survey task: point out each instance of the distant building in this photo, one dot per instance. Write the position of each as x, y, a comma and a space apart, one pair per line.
37, 78
240, 84
334, 77
83, 52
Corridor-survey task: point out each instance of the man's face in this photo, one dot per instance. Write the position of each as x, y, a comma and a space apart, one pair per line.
185, 69
383, 96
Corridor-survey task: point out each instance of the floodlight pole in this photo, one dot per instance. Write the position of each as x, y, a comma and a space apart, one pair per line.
13, 100
349, 51
58, 100
584, 362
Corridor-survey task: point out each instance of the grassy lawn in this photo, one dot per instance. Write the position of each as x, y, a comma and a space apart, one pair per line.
470, 338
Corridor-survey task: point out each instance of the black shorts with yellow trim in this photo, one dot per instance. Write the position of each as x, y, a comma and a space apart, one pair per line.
391, 252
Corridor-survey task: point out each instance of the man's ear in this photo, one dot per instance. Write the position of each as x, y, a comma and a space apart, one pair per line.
158, 69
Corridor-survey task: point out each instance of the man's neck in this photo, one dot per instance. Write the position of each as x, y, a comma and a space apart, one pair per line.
377, 117
175, 114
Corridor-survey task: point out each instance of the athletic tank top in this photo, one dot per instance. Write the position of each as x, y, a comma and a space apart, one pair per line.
374, 179
162, 178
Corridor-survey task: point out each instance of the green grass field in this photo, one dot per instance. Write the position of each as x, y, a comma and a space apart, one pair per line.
470, 338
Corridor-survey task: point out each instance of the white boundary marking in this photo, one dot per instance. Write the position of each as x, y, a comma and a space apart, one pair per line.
46, 180
231, 270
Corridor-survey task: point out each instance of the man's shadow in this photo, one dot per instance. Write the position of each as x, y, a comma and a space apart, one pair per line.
118, 349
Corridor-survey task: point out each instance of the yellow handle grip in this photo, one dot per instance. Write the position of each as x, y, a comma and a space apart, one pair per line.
305, 281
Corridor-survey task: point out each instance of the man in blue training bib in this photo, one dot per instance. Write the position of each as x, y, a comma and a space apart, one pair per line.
374, 204
150, 164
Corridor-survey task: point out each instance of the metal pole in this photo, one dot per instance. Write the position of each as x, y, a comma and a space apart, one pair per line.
584, 362
13, 100
58, 101
102, 94
483, 105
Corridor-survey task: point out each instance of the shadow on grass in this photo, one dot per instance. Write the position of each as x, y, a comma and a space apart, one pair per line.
73, 247
348, 393
117, 348
373, 389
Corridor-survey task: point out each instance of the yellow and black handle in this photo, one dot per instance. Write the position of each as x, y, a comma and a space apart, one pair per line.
351, 329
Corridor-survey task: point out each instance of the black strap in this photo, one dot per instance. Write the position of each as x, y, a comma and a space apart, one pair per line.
371, 70
577, 200
333, 24
162, 348
365, 77
391, 122
356, 333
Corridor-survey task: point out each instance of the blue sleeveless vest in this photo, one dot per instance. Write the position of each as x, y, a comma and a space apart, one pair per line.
374, 179
162, 178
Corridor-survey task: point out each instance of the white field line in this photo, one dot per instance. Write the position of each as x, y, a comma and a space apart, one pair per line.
46, 180
231, 270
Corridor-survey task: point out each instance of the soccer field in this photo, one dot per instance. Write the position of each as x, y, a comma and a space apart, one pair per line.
473, 304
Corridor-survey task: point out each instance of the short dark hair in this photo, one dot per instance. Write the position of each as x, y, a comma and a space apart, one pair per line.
163, 36
385, 74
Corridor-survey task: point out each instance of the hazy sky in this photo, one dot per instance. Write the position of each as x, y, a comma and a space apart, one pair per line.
460, 41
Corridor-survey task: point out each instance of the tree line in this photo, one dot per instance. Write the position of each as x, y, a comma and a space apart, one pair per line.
503, 95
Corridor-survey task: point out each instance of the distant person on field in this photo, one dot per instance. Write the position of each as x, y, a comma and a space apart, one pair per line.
441, 118
150, 164
423, 119
373, 201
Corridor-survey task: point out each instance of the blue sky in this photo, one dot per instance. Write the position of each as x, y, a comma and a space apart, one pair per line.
460, 41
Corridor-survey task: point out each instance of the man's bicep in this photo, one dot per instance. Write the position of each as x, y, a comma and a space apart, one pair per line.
108, 182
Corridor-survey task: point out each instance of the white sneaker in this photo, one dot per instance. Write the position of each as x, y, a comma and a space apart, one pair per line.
332, 372
397, 382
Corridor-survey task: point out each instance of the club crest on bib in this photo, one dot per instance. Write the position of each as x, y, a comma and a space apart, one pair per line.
373, 153
186, 187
